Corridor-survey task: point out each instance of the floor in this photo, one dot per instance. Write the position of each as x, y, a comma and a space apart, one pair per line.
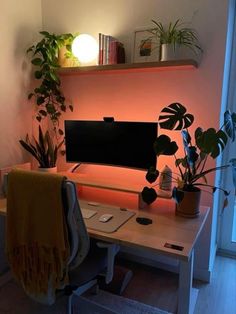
218, 297
151, 286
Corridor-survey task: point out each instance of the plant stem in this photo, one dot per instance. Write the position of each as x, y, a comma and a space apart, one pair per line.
180, 170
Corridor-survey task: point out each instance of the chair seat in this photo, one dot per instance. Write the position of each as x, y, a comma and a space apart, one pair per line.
95, 263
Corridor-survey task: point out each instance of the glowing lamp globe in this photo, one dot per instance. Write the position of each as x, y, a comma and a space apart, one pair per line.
85, 48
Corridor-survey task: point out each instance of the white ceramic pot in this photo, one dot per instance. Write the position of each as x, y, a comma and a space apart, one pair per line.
49, 170
170, 52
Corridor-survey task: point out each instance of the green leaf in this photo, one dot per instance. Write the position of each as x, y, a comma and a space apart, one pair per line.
27, 147
40, 100
192, 155
175, 117
37, 61
164, 146
186, 138
152, 174
60, 131
181, 161
149, 195
54, 77
38, 75
30, 49
177, 195
211, 142
43, 113
50, 108
44, 33
63, 108
30, 96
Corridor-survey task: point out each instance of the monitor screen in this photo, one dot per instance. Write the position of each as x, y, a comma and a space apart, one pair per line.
126, 144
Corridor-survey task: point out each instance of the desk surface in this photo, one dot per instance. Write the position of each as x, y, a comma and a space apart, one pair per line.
166, 228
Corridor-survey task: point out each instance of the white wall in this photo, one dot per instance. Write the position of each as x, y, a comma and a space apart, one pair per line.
19, 23
145, 94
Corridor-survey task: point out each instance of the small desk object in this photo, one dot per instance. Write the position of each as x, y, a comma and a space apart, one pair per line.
168, 235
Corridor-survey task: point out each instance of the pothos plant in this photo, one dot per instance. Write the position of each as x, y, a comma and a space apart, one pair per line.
49, 98
192, 166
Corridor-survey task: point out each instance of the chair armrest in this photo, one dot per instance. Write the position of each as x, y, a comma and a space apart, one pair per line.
112, 250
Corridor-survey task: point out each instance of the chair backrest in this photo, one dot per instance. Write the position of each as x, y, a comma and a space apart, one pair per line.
45, 232
78, 236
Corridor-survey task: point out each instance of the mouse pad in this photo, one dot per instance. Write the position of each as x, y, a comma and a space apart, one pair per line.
120, 216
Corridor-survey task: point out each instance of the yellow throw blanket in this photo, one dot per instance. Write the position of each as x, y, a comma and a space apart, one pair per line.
37, 240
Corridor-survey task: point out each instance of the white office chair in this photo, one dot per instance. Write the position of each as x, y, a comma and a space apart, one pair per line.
87, 258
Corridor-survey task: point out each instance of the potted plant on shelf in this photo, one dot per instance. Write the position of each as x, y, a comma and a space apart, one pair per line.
49, 98
192, 166
174, 37
43, 150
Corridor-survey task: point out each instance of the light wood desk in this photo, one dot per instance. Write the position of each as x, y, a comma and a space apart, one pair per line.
166, 228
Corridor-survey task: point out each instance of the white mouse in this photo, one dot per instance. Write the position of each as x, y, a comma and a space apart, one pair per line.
105, 217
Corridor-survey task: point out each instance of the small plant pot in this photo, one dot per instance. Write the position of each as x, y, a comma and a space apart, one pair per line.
66, 62
49, 170
189, 206
169, 52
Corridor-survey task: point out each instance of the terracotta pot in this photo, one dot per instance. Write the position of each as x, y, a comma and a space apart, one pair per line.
50, 170
189, 206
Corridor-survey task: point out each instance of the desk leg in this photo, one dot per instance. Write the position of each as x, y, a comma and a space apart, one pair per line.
185, 302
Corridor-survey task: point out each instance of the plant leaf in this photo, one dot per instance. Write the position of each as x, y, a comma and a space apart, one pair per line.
149, 195
177, 195
192, 155
37, 61
30, 96
38, 75
186, 138
211, 142
60, 131
164, 146
152, 174
175, 117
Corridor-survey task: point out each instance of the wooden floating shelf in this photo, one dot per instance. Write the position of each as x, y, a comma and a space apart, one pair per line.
131, 67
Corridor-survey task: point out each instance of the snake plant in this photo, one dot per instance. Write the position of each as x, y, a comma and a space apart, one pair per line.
42, 149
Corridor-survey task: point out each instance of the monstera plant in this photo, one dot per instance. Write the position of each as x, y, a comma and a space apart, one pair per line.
192, 166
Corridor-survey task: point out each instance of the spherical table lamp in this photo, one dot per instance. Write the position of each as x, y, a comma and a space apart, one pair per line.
85, 48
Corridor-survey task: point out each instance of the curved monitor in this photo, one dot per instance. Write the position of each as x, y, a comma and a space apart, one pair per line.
126, 144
